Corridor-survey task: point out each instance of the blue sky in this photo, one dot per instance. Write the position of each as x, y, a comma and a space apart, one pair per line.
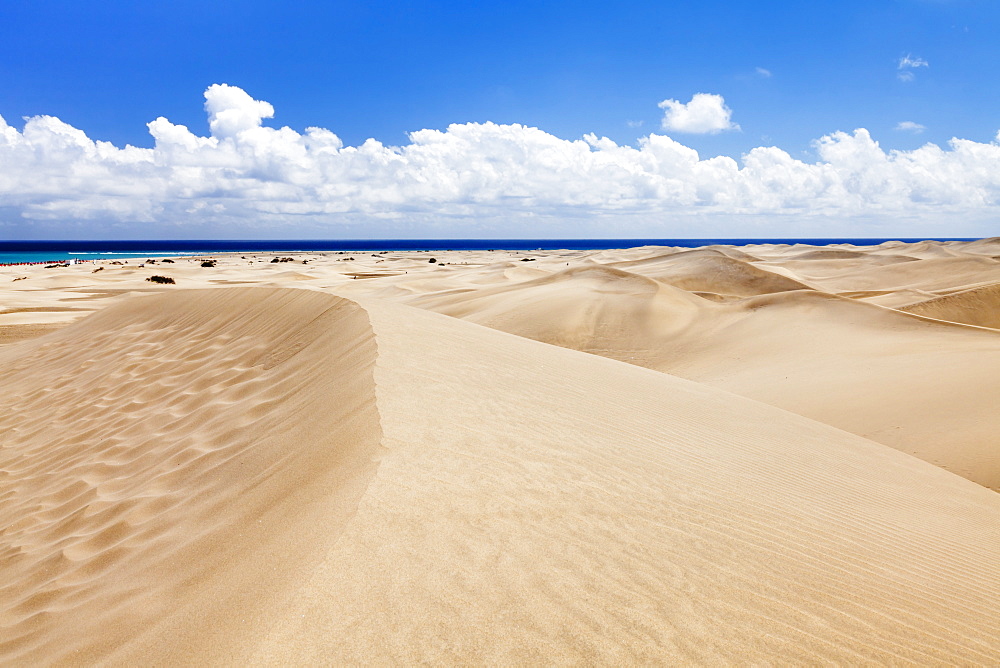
790, 72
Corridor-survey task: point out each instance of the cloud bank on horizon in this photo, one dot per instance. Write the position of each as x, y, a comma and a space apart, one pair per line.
483, 178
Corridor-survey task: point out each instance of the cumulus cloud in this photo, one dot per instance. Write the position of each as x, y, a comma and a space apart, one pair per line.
245, 173
907, 64
704, 114
231, 110
910, 126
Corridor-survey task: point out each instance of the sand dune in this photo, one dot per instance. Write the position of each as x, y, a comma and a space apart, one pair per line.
927, 388
594, 309
825, 254
262, 476
950, 273
975, 306
157, 467
711, 271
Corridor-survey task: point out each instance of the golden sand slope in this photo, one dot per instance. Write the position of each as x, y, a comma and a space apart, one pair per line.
591, 308
278, 476
975, 306
711, 271
928, 388
173, 460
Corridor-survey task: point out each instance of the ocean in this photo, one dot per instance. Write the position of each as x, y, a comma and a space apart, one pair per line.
12, 252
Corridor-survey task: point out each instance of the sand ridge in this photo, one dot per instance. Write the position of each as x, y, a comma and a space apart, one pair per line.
150, 447
712, 271
808, 345
923, 386
973, 306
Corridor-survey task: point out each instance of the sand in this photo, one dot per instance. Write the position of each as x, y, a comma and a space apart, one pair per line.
646, 455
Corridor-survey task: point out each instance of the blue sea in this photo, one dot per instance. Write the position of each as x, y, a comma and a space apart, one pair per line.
47, 251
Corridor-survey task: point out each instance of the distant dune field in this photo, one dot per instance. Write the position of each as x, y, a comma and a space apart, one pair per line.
766, 454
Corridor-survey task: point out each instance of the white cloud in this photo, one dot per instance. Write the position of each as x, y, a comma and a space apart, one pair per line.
231, 110
245, 174
910, 126
761, 72
912, 62
704, 114
907, 64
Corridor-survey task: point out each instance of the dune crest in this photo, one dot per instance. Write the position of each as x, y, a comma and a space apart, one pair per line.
975, 306
591, 308
154, 466
708, 270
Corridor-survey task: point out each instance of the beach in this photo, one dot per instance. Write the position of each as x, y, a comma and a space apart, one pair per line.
769, 453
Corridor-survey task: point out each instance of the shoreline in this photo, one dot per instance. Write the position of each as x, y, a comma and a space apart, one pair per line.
97, 250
